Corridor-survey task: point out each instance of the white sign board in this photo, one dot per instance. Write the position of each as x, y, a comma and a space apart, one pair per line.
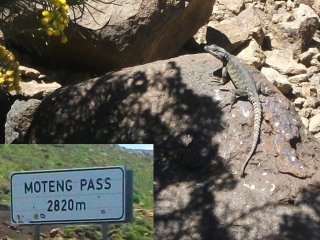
72, 195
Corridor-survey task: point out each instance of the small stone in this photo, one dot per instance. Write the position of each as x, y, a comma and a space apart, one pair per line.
42, 235
29, 72
312, 70
234, 6
253, 54
54, 232
311, 102
278, 80
290, 5
314, 124
42, 77
306, 56
317, 135
297, 91
33, 89
309, 89
282, 17
314, 62
283, 62
13, 227
305, 112
298, 102
305, 122
315, 112
298, 78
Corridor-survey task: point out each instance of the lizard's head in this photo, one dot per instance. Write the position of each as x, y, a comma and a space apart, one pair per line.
216, 51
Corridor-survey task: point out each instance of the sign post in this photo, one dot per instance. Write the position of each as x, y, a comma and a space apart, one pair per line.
72, 196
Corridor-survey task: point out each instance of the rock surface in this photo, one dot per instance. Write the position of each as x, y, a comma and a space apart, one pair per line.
18, 120
200, 147
34, 89
283, 62
115, 35
278, 80
226, 33
314, 124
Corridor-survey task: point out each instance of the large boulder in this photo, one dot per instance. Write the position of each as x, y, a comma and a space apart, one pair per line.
200, 147
116, 34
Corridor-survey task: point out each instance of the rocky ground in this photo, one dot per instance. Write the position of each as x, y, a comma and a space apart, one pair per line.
175, 104
281, 39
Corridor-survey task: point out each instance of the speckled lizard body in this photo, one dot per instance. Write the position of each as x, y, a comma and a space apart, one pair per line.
245, 86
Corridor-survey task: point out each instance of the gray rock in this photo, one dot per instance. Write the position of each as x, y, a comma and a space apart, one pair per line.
283, 62
253, 54
305, 112
315, 81
19, 119
234, 6
294, 33
314, 124
29, 72
307, 56
278, 80
298, 102
311, 102
305, 122
296, 79
33, 89
251, 27
115, 35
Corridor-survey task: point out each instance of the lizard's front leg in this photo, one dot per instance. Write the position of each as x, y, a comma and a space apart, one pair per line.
224, 77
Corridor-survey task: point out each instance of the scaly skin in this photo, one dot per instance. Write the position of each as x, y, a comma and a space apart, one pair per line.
245, 86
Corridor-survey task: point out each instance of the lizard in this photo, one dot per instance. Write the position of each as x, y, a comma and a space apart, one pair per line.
245, 86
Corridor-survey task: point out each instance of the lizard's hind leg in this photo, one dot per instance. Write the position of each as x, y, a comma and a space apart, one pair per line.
264, 89
236, 93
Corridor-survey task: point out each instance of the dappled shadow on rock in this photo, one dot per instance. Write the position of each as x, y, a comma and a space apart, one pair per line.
144, 105
185, 208
303, 224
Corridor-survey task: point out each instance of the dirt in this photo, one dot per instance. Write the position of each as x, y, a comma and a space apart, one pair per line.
9, 231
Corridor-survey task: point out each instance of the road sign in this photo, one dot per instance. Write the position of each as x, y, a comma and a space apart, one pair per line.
68, 196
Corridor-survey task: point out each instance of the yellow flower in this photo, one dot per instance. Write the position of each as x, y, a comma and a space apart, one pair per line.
54, 23
50, 31
10, 79
62, 2
56, 32
64, 8
66, 21
64, 39
61, 27
1, 80
45, 21
45, 13
9, 73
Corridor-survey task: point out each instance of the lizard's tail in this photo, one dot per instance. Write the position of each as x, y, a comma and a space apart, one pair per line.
256, 129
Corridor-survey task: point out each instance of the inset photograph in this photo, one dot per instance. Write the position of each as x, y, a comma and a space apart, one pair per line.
77, 191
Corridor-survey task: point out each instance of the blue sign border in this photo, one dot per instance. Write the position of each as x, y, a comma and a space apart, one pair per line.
122, 168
